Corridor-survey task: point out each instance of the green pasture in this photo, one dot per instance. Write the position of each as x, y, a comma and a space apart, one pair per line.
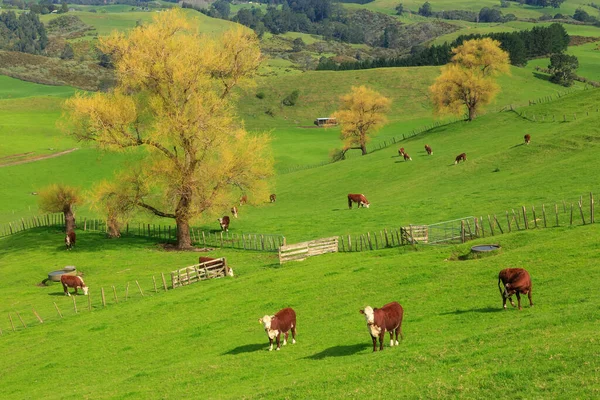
588, 56
204, 340
521, 11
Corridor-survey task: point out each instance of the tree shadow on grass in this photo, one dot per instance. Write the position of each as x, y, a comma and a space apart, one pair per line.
474, 310
247, 348
340, 351
541, 76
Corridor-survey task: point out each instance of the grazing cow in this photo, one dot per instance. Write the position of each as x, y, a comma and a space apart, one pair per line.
272, 198
234, 211
358, 198
70, 239
73, 282
527, 138
407, 157
387, 318
515, 281
428, 150
275, 325
224, 222
461, 156
243, 200
401, 151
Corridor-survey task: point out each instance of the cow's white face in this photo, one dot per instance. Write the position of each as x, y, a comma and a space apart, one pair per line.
369, 314
85, 290
266, 321
365, 204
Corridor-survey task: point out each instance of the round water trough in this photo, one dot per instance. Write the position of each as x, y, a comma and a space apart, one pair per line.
68, 270
485, 248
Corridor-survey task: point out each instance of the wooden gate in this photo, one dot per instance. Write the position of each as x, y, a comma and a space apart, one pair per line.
301, 251
216, 268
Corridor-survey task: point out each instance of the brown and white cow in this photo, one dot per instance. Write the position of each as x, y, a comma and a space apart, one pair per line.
234, 211
71, 281
428, 150
70, 239
515, 281
282, 322
243, 200
385, 319
461, 156
224, 222
527, 138
401, 151
272, 198
407, 157
358, 198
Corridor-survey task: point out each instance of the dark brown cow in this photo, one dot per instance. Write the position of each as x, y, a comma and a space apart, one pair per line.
358, 198
527, 138
461, 156
71, 281
401, 151
70, 239
515, 281
234, 211
272, 198
407, 157
385, 319
282, 322
224, 222
243, 200
428, 150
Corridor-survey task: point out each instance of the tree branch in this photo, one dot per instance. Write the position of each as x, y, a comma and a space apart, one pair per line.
154, 210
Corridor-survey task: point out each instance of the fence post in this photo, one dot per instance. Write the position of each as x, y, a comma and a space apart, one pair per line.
115, 295
499, 226
38, 316
556, 213
22, 322
591, 208
11, 322
462, 231
154, 280
164, 281
534, 218
581, 209
74, 304
571, 219
57, 310
491, 225
544, 214
138, 285
103, 298
127, 292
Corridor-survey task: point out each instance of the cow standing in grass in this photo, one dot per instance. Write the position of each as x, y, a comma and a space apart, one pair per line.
515, 281
70, 240
461, 157
71, 281
358, 198
272, 198
243, 200
224, 222
282, 322
527, 138
400, 151
407, 157
428, 150
387, 318
234, 211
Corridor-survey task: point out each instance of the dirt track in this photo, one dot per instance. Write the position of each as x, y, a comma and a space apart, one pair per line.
38, 158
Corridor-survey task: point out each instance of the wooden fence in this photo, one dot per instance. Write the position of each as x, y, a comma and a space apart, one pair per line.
216, 268
301, 251
23, 224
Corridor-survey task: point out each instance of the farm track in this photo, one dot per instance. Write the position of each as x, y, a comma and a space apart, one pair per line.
38, 158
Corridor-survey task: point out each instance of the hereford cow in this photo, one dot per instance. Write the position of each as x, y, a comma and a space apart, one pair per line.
243, 200
234, 211
428, 150
387, 318
461, 156
527, 138
272, 198
224, 222
407, 157
71, 281
275, 325
515, 281
358, 198
70, 240
401, 151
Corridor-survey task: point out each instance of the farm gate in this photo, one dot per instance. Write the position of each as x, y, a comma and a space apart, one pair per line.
301, 251
216, 268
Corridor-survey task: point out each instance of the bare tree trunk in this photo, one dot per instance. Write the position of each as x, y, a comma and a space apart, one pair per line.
114, 230
472, 113
69, 219
184, 240
363, 148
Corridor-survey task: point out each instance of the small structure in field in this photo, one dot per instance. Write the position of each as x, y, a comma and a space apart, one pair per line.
325, 122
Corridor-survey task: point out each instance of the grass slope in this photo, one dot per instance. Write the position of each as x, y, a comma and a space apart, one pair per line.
204, 340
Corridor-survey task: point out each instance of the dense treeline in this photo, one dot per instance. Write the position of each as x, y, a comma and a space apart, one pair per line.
521, 46
25, 33
542, 3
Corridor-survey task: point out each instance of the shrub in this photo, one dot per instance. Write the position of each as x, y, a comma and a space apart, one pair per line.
260, 95
291, 99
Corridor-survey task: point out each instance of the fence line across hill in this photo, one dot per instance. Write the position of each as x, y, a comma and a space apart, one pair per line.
580, 212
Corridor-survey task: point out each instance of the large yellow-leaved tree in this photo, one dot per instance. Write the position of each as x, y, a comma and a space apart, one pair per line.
361, 115
469, 79
174, 97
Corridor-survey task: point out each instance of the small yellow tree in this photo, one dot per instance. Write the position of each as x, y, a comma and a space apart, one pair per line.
468, 81
174, 98
361, 115
60, 198
118, 200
